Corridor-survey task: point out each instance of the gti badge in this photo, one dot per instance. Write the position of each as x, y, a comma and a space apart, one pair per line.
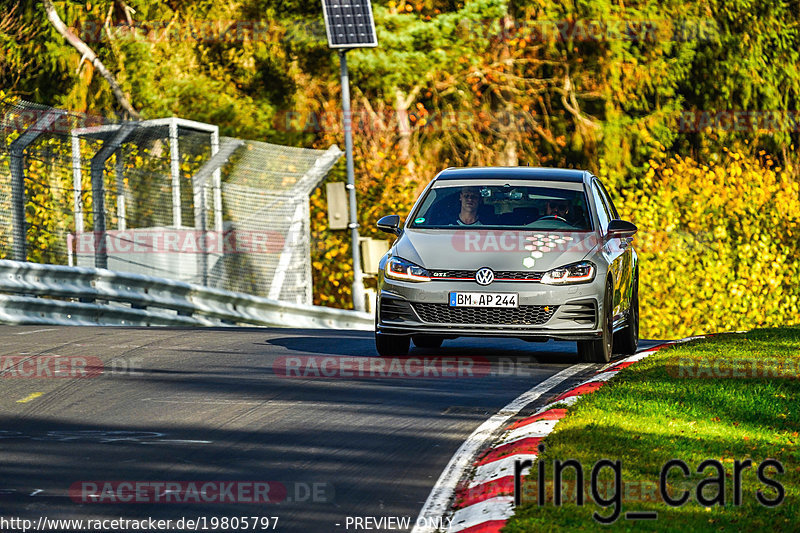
484, 276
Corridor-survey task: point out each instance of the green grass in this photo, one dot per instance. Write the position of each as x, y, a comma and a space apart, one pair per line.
652, 413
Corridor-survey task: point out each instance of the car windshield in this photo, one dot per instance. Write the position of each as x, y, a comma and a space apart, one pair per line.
503, 206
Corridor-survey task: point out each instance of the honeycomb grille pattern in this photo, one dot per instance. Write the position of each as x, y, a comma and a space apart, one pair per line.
499, 274
525, 315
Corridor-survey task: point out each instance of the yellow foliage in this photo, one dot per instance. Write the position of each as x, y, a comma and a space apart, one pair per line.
718, 246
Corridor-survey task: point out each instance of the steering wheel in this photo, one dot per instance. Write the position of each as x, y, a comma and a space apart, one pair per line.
555, 217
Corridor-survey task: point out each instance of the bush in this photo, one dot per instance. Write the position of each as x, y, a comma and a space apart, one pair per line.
719, 245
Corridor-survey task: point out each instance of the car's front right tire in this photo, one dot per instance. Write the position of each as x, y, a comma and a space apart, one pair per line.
626, 341
391, 345
599, 350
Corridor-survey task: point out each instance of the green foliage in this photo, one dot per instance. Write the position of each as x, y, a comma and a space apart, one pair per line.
465, 82
719, 245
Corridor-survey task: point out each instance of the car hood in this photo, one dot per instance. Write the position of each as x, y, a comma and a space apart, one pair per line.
497, 249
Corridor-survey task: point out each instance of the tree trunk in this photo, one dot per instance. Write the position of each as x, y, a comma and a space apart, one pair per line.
90, 56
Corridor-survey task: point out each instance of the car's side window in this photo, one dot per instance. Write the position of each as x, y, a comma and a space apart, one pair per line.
609, 203
602, 209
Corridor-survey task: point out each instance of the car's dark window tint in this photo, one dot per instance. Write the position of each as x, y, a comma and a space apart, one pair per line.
503, 206
609, 203
602, 209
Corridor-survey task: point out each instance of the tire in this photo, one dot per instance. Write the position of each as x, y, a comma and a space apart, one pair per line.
425, 341
391, 345
599, 351
626, 341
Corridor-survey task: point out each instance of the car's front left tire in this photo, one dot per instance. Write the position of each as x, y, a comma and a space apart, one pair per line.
391, 345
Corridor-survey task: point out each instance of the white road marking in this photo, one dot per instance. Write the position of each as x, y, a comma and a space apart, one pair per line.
500, 468
35, 331
498, 508
540, 428
566, 401
438, 501
603, 376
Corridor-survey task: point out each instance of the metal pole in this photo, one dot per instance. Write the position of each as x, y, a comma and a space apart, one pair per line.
18, 244
119, 169
99, 212
16, 152
358, 280
97, 169
175, 170
77, 201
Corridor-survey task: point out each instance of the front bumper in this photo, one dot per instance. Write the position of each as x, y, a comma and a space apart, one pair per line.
568, 312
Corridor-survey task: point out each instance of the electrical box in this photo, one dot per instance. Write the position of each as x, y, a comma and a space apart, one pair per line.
371, 252
337, 205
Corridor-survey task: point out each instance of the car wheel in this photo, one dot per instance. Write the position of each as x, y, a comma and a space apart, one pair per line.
391, 345
599, 350
426, 341
627, 340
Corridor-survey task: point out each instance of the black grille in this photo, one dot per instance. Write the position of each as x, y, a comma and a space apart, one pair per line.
580, 312
530, 315
394, 310
498, 274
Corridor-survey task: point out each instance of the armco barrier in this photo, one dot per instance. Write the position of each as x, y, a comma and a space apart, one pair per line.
32, 293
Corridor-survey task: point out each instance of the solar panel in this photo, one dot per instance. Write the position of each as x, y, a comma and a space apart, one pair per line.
349, 23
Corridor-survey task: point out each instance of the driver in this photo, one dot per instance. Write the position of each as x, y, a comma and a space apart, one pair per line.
558, 207
470, 202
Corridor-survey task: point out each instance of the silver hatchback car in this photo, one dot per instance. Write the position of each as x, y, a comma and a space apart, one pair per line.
531, 253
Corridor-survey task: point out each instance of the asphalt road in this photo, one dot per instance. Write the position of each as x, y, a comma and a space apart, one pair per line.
215, 405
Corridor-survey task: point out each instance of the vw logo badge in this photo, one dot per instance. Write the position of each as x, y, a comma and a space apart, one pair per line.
484, 276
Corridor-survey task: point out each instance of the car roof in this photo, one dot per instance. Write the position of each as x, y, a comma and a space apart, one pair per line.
519, 173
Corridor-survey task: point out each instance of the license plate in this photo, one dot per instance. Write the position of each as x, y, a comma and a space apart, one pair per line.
483, 299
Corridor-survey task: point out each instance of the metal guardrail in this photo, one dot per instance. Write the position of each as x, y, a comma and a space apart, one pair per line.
31, 293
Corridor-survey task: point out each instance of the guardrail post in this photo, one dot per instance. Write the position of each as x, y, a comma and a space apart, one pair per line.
17, 155
98, 167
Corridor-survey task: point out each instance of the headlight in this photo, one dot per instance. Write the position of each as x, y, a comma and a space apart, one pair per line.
397, 268
582, 272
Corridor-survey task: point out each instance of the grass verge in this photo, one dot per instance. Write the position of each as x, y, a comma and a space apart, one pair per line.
726, 398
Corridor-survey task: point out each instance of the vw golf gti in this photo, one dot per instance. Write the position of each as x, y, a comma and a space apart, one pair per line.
531, 253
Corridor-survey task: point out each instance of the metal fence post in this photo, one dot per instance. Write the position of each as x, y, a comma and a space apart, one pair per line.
119, 170
200, 188
17, 155
98, 168
175, 169
77, 201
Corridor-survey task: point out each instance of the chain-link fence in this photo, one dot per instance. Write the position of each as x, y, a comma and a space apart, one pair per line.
164, 197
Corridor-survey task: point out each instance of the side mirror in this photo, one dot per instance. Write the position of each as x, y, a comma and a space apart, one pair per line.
621, 228
390, 224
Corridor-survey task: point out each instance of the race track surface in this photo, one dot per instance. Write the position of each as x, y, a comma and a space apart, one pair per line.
215, 405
